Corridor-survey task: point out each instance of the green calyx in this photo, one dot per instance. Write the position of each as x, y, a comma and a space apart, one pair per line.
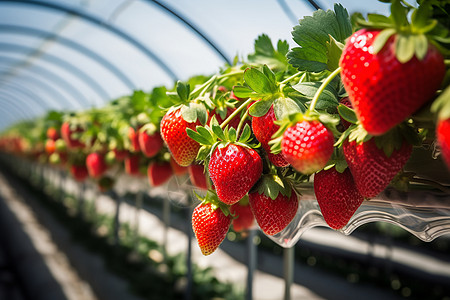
212, 199
412, 28
272, 185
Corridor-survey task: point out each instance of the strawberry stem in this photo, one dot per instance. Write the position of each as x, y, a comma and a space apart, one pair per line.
322, 87
235, 113
241, 123
292, 77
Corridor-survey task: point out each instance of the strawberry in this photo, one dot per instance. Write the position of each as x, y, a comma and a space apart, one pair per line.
234, 169
371, 168
273, 215
337, 196
346, 101
79, 172
243, 218
52, 133
173, 131
67, 134
50, 146
159, 173
210, 225
383, 90
197, 176
177, 169
133, 136
263, 128
150, 143
120, 154
307, 146
131, 163
96, 165
443, 138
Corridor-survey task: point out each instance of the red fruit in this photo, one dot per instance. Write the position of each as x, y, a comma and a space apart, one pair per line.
337, 196
52, 133
131, 163
346, 101
243, 218
173, 131
210, 227
50, 146
382, 90
273, 216
177, 169
263, 128
120, 154
159, 173
372, 170
96, 165
197, 176
133, 135
234, 123
443, 138
79, 172
234, 170
307, 146
150, 144
66, 134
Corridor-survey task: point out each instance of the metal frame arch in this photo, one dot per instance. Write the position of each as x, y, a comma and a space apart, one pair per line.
23, 101
64, 64
6, 103
8, 117
60, 83
102, 24
31, 31
55, 60
26, 92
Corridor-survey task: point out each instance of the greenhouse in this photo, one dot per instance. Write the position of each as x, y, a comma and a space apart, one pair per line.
257, 150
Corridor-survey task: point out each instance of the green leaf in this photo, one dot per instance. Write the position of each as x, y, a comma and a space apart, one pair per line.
441, 106
404, 48
243, 91
271, 77
382, 38
206, 134
218, 131
260, 108
258, 81
183, 91
334, 52
420, 46
265, 53
283, 47
197, 137
285, 106
312, 35
232, 134
327, 100
347, 114
399, 13
189, 114
246, 133
380, 19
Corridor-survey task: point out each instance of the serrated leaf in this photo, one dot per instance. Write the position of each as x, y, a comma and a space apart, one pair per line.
263, 45
271, 77
258, 81
283, 47
404, 48
285, 106
327, 100
243, 91
313, 33
183, 91
260, 108
347, 114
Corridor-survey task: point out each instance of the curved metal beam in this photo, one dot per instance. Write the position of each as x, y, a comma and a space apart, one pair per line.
18, 102
74, 46
34, 98
55, 79
197, 31
10, 105
101, 23
314, 4
63, 64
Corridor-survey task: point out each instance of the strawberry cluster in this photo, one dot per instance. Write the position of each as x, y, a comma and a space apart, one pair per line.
344, 120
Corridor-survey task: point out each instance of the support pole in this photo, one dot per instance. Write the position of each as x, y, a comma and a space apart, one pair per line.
288, 266
251, 262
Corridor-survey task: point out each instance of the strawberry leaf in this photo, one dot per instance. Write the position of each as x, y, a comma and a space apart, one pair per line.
328, 99
347, 114
265, 53
334, 52
404, 48
312, 35
260, 108
183, 91
243, 91
284, 106
271, 185
259, 82
246, 133
204, 140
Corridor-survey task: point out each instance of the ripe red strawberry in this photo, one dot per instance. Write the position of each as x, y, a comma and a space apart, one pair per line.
273, 215
372, 170
173, 131
384, 91
243, 218
150, 144
263, 128
198, 176
159, 173
337, 196
210, 226
52, 133
177, 169
120, 154
66, 134
79, 172
443, 138
234, 169
96, 165
133, 135
131, 163
307, 146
